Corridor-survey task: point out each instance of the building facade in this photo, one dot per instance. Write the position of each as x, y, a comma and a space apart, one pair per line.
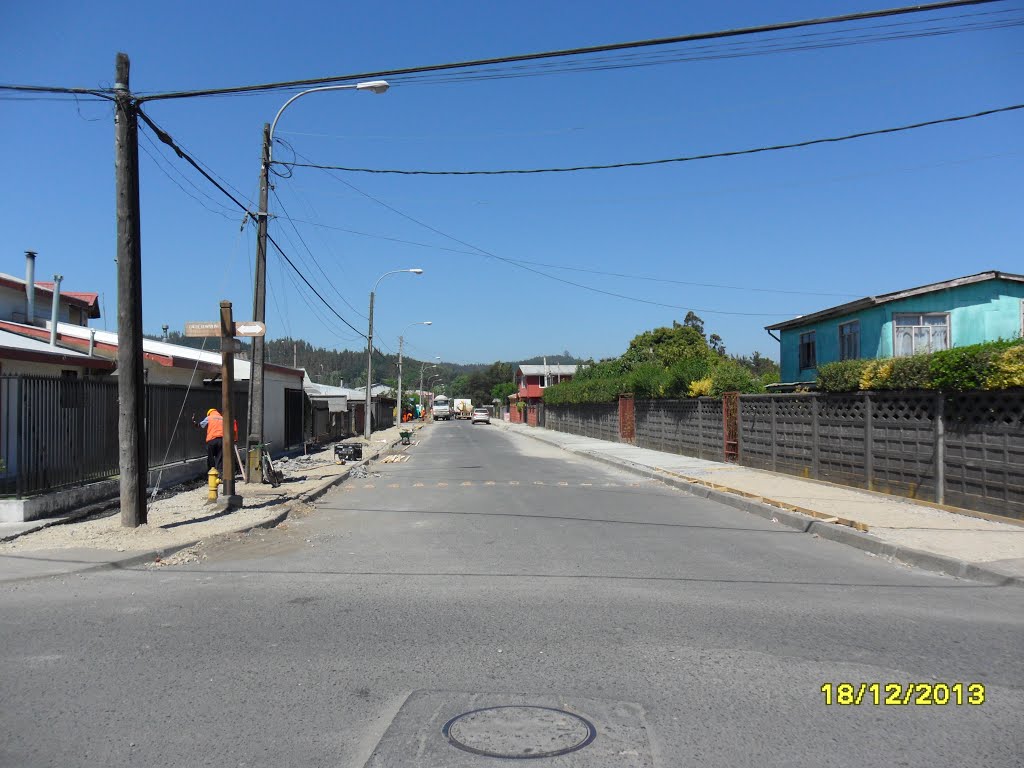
954, 313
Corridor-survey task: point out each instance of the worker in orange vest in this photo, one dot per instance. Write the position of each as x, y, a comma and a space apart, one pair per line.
214, 425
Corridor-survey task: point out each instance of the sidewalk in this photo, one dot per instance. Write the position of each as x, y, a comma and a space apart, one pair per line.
180, 518
916, 534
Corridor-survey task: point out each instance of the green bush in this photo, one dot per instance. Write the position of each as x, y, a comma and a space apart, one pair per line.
647, 380
728, 376
965, 368
683, 373
841, 376
910, 373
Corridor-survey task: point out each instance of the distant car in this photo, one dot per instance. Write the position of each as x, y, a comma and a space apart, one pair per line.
481, 415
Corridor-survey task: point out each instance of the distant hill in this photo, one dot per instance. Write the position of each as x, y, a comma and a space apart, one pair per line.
331, 366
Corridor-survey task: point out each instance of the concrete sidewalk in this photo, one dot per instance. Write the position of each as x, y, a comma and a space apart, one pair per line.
263, 507
916, 534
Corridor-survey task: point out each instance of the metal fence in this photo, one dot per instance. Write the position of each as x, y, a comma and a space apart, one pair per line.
61, 432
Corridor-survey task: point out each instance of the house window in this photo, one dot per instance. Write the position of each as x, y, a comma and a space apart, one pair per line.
914, 334
849, 341
808, 355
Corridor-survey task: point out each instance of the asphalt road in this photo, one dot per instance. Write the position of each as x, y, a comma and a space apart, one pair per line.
490, 569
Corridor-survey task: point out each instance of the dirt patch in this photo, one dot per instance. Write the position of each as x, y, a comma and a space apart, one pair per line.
181, 515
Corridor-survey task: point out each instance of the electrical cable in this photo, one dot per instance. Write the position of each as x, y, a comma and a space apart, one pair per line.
488, 254
169, 141
743, 31
670, 160
302, 240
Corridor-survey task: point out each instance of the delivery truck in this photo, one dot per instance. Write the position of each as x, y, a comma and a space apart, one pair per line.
463, 408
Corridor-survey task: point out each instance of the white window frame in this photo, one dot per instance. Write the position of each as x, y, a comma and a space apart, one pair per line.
799, 350
913, 341
843, 356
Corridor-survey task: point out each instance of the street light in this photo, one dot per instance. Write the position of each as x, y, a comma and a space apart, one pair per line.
369, 350
423, 368
401, 340
259, 309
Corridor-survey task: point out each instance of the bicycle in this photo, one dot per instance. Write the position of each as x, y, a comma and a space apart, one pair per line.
271, 474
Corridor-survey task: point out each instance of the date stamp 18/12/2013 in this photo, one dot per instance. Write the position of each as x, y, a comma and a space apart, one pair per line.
903, 694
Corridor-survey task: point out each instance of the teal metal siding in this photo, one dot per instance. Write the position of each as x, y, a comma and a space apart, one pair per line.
978, 312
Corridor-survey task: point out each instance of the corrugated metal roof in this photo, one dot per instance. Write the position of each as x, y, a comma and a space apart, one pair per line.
885, 298
551, 370
27, 344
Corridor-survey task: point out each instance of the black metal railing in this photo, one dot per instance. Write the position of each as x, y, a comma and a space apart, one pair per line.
61, 432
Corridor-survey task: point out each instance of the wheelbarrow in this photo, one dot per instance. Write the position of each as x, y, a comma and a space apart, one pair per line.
406, 436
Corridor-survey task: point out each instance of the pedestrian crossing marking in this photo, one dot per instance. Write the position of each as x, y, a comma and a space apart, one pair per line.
538, 482
513, 482
394, 485
489, 482
586, 485
417, 485
562, 483
369, 485
467, 483
442, 485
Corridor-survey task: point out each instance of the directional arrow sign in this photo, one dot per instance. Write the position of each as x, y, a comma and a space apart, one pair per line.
202, 329
250, 328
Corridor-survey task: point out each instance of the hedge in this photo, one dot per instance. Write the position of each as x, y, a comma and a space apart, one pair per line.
990, 365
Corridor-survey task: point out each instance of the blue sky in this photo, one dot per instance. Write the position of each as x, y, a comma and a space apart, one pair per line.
836, 221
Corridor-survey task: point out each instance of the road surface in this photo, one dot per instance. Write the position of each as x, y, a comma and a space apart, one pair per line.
491, 570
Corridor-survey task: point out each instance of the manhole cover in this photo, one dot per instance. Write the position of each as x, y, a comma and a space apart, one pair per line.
519, 732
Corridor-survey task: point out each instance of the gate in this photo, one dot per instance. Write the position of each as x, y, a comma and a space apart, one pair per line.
731, 425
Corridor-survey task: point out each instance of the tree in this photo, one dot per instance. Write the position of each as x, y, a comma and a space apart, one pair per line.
502, 391
716, 344
666, 346
693, 320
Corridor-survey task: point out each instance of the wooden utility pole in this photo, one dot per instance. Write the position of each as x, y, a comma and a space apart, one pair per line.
227, 382
131, 421
259, 313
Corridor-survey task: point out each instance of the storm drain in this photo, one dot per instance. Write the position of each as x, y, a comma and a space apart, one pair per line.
519, 731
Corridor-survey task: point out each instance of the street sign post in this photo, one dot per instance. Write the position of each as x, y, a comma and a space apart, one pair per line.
250, 328
202, 329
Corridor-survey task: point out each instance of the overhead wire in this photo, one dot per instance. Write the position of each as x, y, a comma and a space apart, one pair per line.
665, 161
569, 52
488, 254
316, 262
169, 140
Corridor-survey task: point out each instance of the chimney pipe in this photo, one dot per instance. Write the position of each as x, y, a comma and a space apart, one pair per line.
92, 341
30, 287
165, 328
56, 309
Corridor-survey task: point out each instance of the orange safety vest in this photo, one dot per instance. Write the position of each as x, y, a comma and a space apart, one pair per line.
214, 426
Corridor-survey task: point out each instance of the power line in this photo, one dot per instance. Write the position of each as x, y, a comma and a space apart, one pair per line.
490, 255
169, 140
648, 278
573, 51
722, 51
665, 161
316, 263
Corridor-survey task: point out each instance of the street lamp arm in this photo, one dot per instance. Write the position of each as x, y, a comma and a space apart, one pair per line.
375, 86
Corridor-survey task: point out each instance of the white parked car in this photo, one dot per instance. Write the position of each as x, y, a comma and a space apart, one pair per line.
481, 415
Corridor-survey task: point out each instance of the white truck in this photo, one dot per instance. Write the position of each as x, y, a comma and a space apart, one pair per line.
463, 408
441, 409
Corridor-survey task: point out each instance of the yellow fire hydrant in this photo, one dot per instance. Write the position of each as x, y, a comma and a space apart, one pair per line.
212, 481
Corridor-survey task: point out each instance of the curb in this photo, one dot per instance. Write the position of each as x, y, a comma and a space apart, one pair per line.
930, 561
150, 555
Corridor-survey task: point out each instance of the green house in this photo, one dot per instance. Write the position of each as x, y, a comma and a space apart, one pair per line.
967, 310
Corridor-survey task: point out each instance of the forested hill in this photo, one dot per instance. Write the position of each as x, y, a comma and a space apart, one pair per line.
329, 366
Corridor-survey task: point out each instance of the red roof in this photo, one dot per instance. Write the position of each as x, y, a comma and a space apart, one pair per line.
89, 301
